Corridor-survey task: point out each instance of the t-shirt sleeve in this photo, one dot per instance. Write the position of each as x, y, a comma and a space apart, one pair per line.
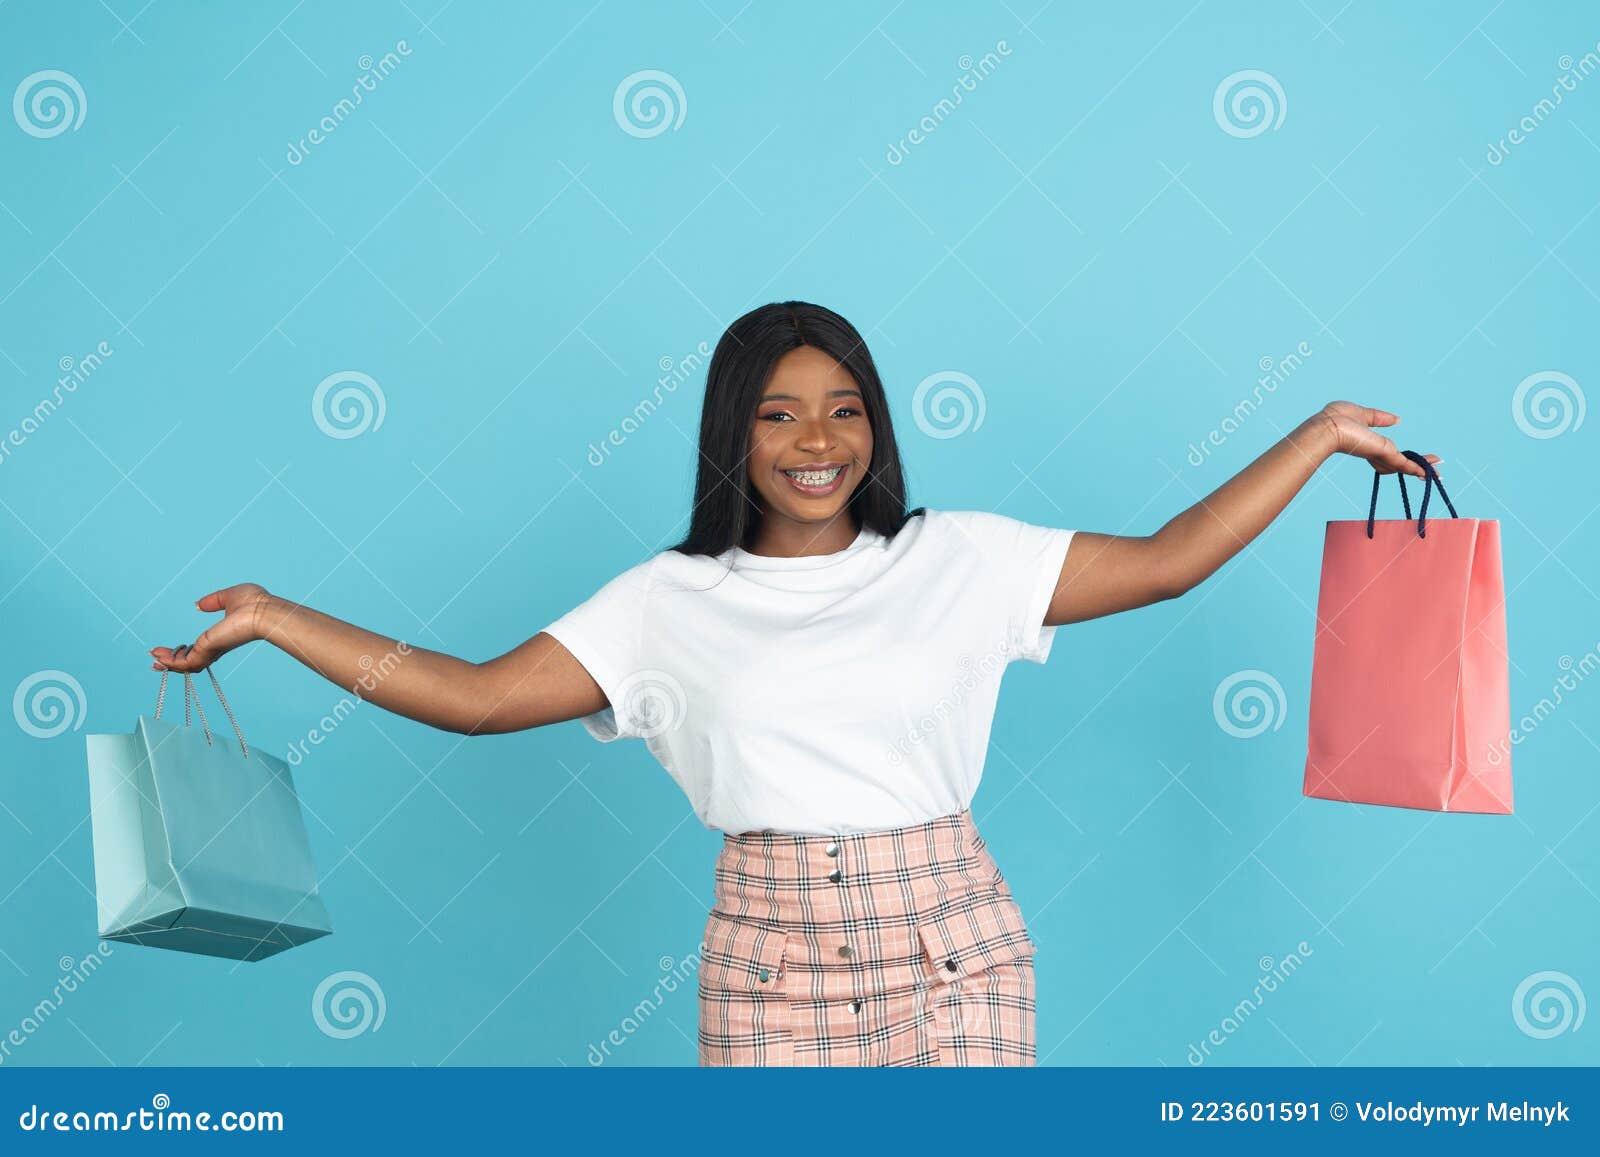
1020, 564
605, 634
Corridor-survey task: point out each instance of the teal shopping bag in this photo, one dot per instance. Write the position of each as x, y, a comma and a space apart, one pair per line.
199, 843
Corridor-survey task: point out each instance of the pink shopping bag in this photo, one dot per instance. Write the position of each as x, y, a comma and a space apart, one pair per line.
1410, 703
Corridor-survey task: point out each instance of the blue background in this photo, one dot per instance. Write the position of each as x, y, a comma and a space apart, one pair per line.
1080, 235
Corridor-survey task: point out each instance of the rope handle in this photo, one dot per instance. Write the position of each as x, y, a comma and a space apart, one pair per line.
1432, 480
192, 695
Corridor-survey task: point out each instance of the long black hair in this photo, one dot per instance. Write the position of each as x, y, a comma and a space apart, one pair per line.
726, 511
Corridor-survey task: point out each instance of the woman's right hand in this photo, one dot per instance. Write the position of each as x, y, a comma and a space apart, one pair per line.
241, 607
535, 683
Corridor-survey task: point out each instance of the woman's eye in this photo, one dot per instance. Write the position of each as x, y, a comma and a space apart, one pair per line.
785, 416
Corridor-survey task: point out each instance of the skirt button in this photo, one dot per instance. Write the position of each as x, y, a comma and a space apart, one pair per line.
855, 1006
835, 876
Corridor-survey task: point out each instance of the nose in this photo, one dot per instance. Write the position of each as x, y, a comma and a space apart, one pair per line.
813, 435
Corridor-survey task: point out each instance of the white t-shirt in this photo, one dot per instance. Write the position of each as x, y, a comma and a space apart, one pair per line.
826, 694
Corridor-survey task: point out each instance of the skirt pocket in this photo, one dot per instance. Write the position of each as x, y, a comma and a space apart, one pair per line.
744, 1014
981, 999
973, 936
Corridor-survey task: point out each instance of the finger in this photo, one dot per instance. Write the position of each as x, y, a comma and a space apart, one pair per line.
1390, 460
194, 658
179, 658
215, 601
1366, 415
1385, 458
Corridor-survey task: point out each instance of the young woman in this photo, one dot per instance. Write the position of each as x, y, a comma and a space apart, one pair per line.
818, 669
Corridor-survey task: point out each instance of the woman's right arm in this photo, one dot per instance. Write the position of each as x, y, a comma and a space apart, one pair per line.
536, 683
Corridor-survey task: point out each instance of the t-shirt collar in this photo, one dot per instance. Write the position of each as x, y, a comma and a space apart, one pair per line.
742, 558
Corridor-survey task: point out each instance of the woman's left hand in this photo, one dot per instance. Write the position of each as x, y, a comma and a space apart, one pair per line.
1352, 433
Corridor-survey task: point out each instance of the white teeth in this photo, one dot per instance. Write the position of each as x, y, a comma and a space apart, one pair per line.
814, 477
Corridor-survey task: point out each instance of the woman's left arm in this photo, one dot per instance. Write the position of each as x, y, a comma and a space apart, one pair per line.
1107, 573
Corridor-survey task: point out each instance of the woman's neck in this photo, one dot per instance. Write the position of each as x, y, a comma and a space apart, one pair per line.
788, 538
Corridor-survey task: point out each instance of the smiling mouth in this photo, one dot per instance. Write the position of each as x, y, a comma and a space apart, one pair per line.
816, 483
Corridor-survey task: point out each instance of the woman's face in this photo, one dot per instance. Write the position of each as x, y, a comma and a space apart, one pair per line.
811, 442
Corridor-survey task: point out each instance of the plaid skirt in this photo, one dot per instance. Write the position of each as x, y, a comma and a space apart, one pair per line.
896, 948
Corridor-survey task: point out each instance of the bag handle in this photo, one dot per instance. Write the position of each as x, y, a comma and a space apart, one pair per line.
1432, 480
190, 693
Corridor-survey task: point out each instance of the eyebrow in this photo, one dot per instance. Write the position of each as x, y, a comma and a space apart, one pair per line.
795, 398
